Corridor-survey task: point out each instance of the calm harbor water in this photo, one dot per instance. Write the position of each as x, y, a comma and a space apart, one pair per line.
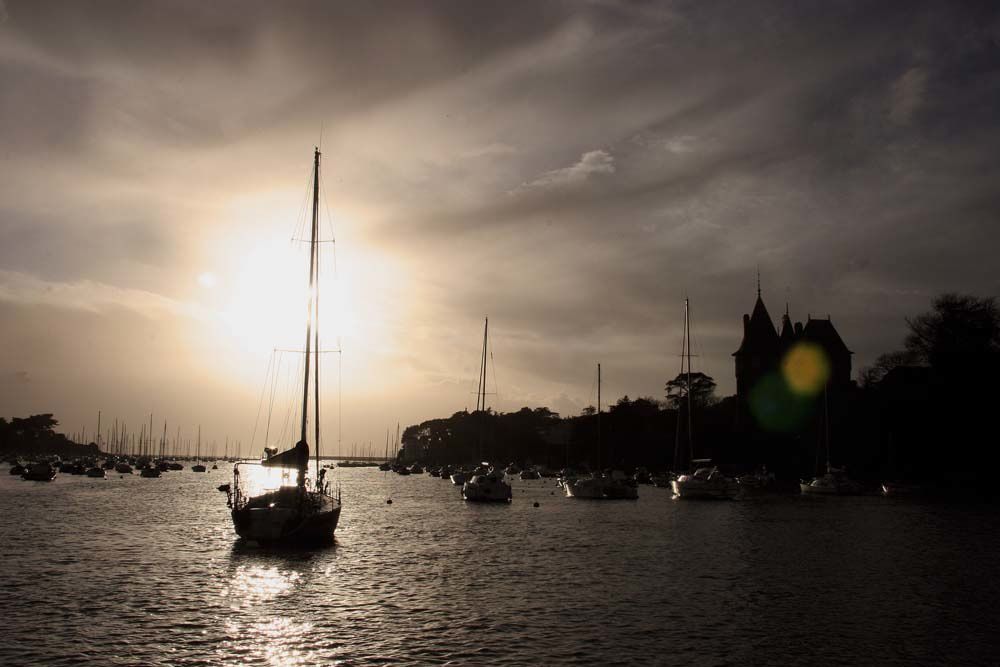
132, 571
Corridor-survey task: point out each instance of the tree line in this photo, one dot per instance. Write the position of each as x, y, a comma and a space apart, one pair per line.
921, 413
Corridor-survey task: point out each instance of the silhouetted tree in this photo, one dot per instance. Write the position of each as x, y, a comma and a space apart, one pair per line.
958, 337
702, 390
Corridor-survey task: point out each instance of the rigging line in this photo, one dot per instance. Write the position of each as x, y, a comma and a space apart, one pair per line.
496, 383
290, 397
263, 390
270, 406
329, 221
300, 218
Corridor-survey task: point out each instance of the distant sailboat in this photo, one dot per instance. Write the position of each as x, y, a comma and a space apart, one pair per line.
198, 467
487, 484
834, 482
305, 512
600, 486
706, 481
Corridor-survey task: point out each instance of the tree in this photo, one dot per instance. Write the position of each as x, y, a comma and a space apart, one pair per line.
702, 390
872, 375
958, 339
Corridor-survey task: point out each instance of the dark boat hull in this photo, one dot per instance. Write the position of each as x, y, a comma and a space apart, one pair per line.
288, 526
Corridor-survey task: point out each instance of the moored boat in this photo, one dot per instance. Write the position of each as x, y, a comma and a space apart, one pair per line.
706, 483
40, 472
281, 512
487, 486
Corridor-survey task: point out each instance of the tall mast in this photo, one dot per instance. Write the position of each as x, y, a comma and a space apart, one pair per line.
481, 394
481, 397
312, 286
315, 246
598, 416
98, 431
687, 336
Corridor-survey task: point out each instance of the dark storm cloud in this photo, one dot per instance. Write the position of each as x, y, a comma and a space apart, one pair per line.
572, 169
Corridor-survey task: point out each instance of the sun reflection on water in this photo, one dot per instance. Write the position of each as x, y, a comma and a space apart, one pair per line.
277, 641
256, 584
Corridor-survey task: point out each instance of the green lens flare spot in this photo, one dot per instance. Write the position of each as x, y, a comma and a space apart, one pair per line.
777, 408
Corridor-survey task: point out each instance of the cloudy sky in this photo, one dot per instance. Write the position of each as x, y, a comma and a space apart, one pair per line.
571, 169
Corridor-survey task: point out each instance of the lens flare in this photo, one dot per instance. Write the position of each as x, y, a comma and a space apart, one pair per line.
777, 408
805, 369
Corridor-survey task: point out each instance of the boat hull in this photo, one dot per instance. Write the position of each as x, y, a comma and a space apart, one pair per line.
699, 490
487, 491
289, 525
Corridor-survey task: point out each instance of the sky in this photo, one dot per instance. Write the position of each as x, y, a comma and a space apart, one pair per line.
573, 170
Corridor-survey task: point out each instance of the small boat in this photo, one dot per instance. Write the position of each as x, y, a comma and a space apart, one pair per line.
198, 467
613, 485
530, 473
591, 487
600, 487
18, 469
902, 489
459, 477
150, 471
123, 468
706, 483
97, 472
487, 486
40, 472
834, 483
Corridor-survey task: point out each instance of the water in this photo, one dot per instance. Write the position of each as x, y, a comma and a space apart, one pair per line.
133, 571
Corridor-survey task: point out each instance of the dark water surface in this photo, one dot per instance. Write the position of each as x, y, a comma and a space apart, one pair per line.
133, 571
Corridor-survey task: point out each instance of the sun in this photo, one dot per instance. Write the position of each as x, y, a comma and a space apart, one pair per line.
207, 280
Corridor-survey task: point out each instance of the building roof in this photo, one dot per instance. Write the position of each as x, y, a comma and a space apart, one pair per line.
759, 333
825, 334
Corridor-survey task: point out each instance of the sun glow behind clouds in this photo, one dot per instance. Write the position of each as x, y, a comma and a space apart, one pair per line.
260, 297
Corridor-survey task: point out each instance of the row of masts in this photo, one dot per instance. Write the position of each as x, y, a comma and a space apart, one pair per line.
119, 440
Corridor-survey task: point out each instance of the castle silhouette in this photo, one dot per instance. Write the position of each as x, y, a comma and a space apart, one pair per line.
763, 350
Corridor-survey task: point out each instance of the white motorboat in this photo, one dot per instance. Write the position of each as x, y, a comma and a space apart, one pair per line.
487, 487
706, 483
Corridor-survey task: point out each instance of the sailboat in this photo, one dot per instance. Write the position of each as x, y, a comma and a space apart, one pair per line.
487, 483
303, 512
199, 466
707, 481
834, 482
600, 486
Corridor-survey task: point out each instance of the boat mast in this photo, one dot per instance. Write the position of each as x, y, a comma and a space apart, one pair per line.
599, 416
312, 312
481, 394
826, 425
687, 336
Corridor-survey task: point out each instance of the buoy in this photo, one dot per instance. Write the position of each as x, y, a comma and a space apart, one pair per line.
536, 505
388, 502
552, 493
